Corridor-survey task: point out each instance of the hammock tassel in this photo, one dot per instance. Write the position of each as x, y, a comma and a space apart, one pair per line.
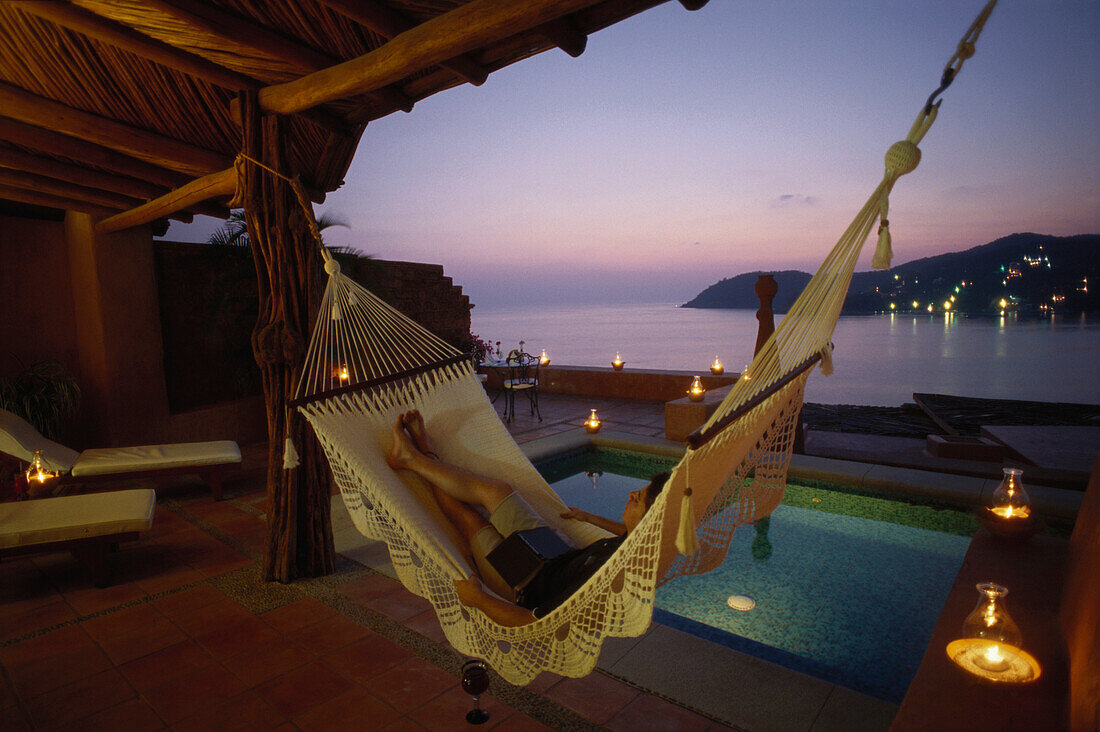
290, 455
884, 253
686, 541
827, 359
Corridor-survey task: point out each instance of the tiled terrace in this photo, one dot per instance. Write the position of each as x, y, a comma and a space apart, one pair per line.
189, 637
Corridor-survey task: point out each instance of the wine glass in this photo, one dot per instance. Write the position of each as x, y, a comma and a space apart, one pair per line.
475, 680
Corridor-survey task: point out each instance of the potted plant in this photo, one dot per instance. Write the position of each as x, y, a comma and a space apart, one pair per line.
45, 394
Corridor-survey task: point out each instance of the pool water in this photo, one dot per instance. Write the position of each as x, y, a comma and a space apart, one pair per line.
847, 587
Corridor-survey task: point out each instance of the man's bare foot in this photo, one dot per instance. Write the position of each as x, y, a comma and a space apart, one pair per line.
414, 423
403, 449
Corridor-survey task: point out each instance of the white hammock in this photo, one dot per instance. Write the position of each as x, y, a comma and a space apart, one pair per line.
368, 363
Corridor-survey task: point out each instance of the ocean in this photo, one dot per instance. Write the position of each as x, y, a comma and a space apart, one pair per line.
878, 359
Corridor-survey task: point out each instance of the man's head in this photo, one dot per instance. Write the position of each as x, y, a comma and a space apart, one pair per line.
640, 500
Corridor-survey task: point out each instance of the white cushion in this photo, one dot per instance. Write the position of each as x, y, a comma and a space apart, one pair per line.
108, 460
19, 439
45, 520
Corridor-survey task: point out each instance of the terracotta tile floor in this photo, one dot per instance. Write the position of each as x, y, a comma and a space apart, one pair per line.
188, 637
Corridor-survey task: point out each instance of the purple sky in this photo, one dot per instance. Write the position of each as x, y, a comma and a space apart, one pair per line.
684, 147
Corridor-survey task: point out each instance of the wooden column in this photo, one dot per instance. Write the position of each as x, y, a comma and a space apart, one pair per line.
766, 288
288, 268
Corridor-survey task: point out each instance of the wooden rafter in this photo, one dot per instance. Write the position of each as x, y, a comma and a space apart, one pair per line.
564, 35
388, 23
19, 160
462, 30
107, 31
134, 141
52, 186
242, 32
47, 141
222, 183
36, 198
120, 36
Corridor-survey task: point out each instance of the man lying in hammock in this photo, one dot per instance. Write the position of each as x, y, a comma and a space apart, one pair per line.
458, 490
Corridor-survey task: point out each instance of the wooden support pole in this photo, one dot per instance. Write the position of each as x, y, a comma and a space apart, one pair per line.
462, 30
299, 538
388, 23
222, 183
766, 288
134, 141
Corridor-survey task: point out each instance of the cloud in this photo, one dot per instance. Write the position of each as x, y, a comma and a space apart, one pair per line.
793, 199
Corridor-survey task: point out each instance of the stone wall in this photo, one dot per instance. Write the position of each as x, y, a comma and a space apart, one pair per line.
208, 307
426, 295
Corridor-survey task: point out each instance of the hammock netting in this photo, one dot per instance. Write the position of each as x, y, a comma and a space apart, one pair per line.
367, 363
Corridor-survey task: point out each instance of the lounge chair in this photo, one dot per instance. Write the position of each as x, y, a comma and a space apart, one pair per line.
210, 460
90, 525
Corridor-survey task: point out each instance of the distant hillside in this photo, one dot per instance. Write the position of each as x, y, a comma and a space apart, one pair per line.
1028, 272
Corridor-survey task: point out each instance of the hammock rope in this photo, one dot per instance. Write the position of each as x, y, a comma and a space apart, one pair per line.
367, 363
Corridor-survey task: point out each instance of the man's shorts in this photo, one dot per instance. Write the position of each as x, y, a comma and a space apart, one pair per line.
513, 514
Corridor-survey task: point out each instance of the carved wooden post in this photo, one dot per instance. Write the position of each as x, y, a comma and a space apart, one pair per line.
299, 530
766, 288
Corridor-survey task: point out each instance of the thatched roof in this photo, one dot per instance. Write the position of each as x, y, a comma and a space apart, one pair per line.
108, 104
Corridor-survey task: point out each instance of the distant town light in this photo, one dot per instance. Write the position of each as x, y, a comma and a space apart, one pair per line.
947, 305
930, 308
1003, 303
916, 304
893, 306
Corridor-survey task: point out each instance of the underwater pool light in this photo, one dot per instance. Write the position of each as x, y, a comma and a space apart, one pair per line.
741, 602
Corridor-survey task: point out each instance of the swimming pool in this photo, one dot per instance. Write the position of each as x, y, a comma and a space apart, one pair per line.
847, 587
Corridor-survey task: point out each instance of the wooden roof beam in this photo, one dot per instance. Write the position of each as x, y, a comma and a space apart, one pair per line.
222, 183
46, 141
115, 34
134, 141
566, 36
388, 23
43, 184
44, 199
89, 24
462, 30
19, 160
243, 32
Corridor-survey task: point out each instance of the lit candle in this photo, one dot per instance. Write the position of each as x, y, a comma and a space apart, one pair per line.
617, 364
342, 374
1010, 499
696, 392
36, 471
544, 360
992, 659
592, 424
716, 368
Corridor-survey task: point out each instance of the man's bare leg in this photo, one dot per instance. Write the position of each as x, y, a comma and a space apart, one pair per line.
467, 521
456, 482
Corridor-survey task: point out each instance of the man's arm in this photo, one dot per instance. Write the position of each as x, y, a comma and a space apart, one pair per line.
615, 527
471, 594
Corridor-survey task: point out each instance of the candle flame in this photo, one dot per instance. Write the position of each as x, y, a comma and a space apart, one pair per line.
993, 654
1010, 512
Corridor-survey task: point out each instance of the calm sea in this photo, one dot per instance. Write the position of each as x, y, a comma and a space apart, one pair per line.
879, 359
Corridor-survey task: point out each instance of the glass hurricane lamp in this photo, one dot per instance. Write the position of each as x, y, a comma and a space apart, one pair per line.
592, 424
696, 391
618, 363
343, 374
990, 647
716, 368
1009, 515
544, 360
36, 471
